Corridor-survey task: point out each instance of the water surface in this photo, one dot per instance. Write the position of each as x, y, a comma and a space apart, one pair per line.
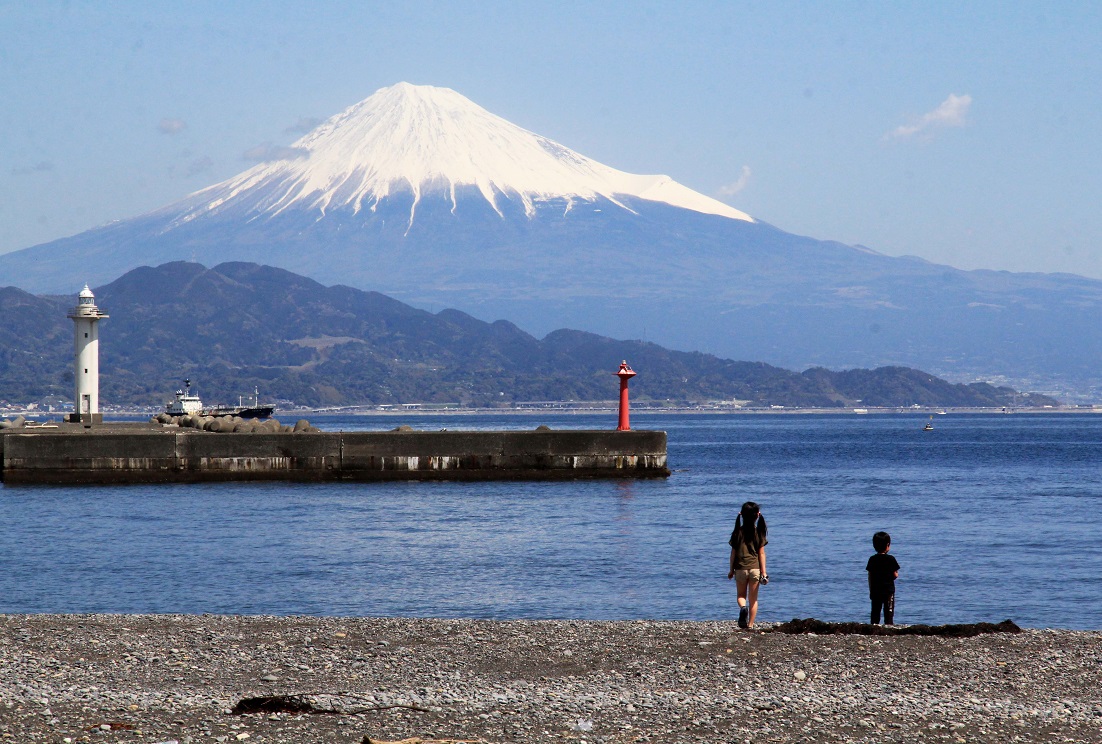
991, 516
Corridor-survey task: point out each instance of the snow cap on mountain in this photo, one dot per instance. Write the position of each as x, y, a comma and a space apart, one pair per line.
422, 138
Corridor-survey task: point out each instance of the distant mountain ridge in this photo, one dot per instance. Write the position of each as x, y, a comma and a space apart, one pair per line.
241, 325
420, 194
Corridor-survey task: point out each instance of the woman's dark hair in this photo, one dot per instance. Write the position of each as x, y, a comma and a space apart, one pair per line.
881, 541
750, 527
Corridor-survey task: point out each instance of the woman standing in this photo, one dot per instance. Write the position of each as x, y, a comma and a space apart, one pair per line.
748, 541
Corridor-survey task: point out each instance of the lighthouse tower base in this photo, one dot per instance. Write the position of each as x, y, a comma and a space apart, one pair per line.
85, 418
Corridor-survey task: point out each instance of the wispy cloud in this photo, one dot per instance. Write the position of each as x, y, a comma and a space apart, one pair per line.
171, 126
199, 165
738, 184
303, 125
267, 153
950, 113
42, 166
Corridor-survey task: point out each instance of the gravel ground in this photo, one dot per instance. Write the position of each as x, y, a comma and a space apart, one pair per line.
164, 678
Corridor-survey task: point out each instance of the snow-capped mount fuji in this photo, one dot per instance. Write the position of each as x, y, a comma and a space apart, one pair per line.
424, 139
418, 193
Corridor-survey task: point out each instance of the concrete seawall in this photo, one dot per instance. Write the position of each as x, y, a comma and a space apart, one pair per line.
113, 455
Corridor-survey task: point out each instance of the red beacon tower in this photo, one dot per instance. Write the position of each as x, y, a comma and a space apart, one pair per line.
624, 374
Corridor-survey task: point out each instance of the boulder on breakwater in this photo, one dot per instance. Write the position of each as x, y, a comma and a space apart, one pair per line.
227, 424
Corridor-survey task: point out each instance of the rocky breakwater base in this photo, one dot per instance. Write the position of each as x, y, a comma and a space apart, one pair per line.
300, 680
234, 424
16, 423
194, 449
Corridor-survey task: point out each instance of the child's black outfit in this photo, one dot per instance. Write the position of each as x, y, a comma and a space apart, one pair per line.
882, 568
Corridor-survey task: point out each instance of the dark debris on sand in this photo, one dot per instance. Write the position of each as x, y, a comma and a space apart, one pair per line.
963, 630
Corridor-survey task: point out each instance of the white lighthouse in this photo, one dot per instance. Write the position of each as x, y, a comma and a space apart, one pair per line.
86, 358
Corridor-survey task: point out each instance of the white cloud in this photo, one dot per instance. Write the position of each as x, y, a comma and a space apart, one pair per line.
267, 153
172, 126
952, 112
738, 184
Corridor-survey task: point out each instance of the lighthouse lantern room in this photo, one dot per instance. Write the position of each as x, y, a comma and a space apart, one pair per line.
86, 358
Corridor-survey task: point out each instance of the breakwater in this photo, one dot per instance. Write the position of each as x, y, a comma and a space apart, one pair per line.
154, 454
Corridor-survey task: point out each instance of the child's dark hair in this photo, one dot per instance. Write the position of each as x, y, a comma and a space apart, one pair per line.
881, 541
750, 526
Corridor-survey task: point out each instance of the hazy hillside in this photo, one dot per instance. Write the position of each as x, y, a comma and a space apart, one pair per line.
242, 325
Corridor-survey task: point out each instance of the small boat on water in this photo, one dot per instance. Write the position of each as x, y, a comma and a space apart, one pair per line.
929, 425
188, 403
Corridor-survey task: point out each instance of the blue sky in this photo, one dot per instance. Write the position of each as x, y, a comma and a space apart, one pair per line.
965, 133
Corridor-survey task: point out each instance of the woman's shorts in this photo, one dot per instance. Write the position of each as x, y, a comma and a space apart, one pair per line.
748, 574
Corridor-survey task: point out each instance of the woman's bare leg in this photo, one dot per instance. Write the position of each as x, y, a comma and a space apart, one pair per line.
752, 597
741, 584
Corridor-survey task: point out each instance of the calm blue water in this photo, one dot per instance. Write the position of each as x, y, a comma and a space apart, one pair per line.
990, 516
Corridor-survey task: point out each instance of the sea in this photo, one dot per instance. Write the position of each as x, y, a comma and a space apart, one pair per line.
991, 517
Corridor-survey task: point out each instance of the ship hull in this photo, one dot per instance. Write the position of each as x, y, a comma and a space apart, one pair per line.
245, 412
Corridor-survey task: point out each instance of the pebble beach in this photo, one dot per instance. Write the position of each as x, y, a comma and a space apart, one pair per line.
206, 678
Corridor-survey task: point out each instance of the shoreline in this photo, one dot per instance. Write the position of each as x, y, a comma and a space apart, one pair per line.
603, 411
160, 678
642, 412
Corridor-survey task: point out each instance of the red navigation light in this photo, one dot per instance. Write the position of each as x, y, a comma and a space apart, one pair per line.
625, 373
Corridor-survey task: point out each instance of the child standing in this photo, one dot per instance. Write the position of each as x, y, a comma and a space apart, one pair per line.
747, 567
883, 571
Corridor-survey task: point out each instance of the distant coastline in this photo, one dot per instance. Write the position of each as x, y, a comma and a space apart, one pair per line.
597, 409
